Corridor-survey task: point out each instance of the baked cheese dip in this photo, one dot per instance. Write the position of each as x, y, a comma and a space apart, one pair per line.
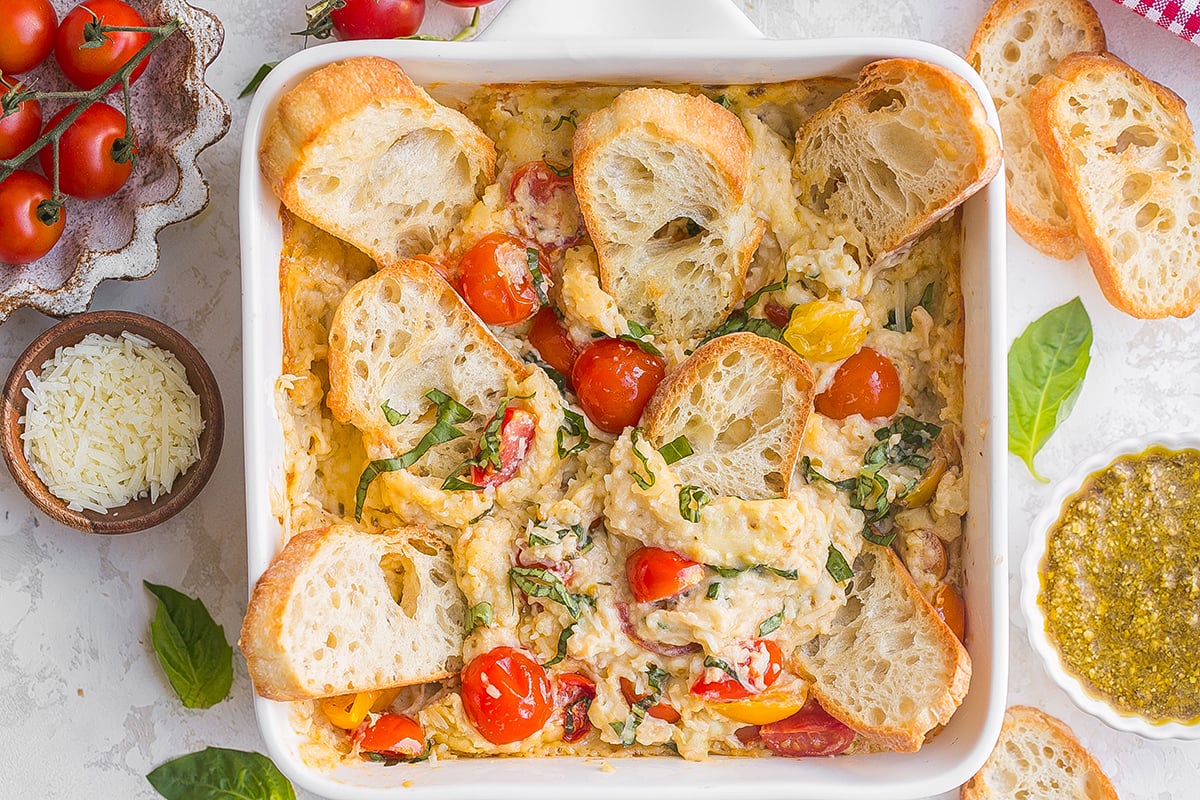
625, 594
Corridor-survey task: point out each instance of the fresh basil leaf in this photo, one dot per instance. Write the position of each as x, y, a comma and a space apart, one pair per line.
560, 652
638, 334
714, 589
539, 280
691, 500
583, 537
537, 582
258, 78
191, 648
646, 481
676, 449
723, 101
777, 286
786, 574
565, 120
874, 536
836, 565
456, 484
770, 624
392, 416
215, 773
710, 661
479, 614
1046, 367
449, 413
727, 572
562, 172
573, 426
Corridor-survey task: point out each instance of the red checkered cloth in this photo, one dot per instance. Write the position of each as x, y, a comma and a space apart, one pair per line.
1181, 17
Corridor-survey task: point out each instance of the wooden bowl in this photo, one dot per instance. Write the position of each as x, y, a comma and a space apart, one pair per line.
141, 513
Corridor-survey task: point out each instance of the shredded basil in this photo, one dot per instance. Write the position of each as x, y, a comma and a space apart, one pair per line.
727, 572
391, 761
730, 572
786, 574
488, 456
532, 257
645, 482
482, 514
691, 500
676, 449
741, 320
479, 614
561, 172
456, 484
836, 565
560, 652
559, 379
638, 334
872, 535
573, 426
392, 416
714, 589
565, 120
537, 582
657, 677
537, 540
770, 624
723, 101
710, 661
926, 302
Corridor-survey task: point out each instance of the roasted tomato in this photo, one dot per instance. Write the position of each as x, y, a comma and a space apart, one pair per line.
808, 732
825, 330
772, 705
516, 435
547, 211
90, 153
19, 129
866, 383
28, 233
495, 280
550, 338
506, 695
614, 380
378, 19
391, 736
26, 34
759, 666
663, 711
949, 606
575, 695
88, 66
348, 711
656, 574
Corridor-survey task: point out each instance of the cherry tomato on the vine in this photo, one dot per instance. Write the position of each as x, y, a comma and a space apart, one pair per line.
656, 574
19, 129
614, 380
866, 383
391, 736
516, 435
506, 695
89, 153
575, 695
554, 344
378, 19
26, 34
494, 279
24, 235
759, 666
88, 67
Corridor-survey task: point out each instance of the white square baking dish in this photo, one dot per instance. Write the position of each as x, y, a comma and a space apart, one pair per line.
590, 40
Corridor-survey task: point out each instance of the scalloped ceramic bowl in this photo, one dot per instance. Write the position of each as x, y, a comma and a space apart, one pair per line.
1083, 697
176, 116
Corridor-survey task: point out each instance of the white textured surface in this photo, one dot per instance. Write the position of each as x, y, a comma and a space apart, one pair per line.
86, 710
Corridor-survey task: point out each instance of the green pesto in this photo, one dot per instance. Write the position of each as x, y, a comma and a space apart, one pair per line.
1120, 584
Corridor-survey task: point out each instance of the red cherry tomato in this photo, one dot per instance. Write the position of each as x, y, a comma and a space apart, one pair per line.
547, 211
495, 280
808, 732
550, 338
506, 695
866, 383
614, 380
88, 67
575, 695
87, 153
19, 129
656, 574
391, 736
758, 667
378, 19
26, 34
516, 435
466, 3
663, 711
23, 236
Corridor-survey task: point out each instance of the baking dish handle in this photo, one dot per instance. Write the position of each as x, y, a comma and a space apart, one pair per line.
525, 20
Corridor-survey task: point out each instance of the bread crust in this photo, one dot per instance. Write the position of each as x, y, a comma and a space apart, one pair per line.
1054, 129
1054, 237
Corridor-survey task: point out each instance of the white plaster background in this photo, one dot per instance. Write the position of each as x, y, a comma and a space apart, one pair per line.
85, 711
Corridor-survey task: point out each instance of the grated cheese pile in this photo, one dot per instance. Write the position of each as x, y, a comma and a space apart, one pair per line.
109, 420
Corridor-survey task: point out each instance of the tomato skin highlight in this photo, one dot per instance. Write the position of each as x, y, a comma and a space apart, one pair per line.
516, 435
21, 128
26, 34
753, 680
378, 19
506, 695
23, 237
87, 168
811, 731
614, 380
391, 736
494, 279
575, 695
656, 574
866, 383
552, 341
88, 67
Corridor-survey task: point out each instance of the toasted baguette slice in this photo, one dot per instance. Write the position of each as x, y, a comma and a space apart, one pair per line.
360, 151
1038, 757
896, 153
341, 610
644, 166
1122, 150
1017, 42
891, 669
742, 401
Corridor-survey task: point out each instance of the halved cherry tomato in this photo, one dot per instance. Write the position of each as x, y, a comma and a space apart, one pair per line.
87, 67
349, 710
19, 129
516, 435
760, 666
391, 736
547, 211
656, 574
24, 237
88, 153
808, 732
550, 338
495, 280
615, 379
866, 383
575, 695
378, 19
506, 695
26, 34
771, 705
825, 330
949, 606
663, 711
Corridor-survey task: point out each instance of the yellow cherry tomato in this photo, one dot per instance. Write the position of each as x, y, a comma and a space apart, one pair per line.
349, 710
825, 330
772, 705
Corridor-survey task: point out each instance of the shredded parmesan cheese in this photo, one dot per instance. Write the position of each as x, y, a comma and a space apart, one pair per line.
109, 420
